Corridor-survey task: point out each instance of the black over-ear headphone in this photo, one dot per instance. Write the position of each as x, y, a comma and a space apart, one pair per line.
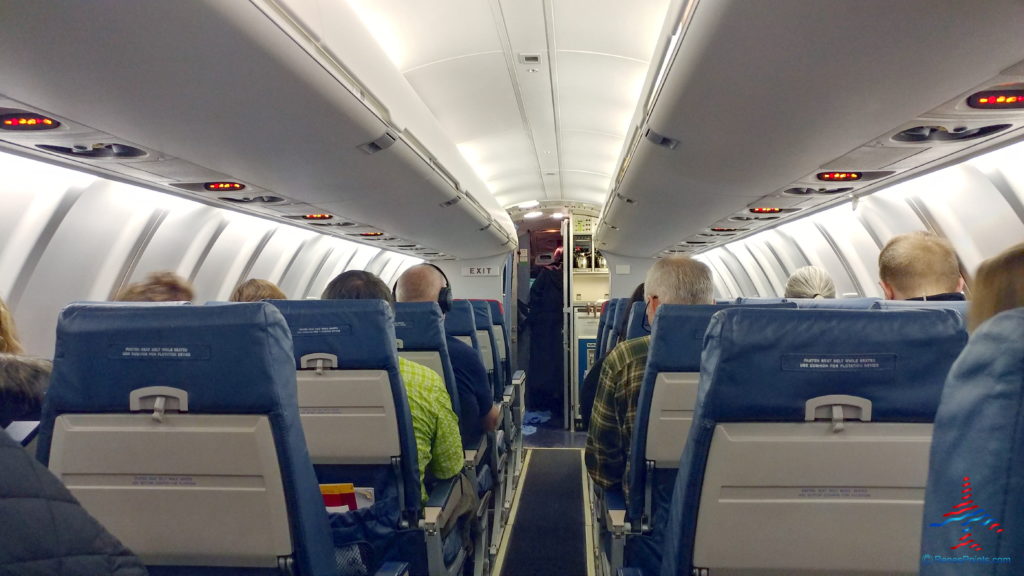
444, 296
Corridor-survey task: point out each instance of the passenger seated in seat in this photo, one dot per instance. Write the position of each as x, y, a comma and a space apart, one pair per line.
479, 413
256, 289
438, 444
998, 286
45, 530
810, 282
8, 335
23, 381
158, 287
920, 266
677, 280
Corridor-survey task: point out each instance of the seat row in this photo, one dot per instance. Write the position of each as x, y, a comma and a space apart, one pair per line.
771, 440
202, 437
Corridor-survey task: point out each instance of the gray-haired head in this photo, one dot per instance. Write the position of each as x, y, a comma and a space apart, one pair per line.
810, 282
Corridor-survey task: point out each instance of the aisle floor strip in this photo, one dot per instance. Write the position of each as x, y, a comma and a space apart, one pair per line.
499, 560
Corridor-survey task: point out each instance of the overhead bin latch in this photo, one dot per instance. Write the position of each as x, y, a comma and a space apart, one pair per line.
837, 408
383, 143
318, 361
159, 399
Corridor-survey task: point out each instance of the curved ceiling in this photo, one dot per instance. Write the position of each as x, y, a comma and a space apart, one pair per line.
537, 94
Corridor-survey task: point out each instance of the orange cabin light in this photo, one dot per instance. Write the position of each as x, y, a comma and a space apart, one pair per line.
371, 234
27, 122
222, 186
839, 176
725, 229
996, 99
766, 210
317, 217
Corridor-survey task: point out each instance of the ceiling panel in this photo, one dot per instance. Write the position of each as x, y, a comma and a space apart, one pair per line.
627, 29
597, 92
590, 151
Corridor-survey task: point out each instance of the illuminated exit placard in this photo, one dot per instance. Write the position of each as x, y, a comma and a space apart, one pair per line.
480, 271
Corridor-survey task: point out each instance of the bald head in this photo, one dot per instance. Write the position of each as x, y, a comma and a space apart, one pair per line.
421, 283
918, 264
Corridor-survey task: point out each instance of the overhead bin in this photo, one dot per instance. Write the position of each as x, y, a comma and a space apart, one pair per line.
761, 97
226, 91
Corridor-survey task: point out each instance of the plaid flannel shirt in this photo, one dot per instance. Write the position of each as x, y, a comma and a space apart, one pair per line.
614, 413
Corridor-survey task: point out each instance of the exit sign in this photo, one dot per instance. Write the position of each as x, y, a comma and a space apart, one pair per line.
480, 270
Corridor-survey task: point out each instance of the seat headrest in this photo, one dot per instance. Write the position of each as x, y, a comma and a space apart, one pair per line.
752, 301
419, 325
360, 333
460, 320
635, 328
896, 359
835, 303
482, 313
497, 313
676, 346
960, 306
104, 351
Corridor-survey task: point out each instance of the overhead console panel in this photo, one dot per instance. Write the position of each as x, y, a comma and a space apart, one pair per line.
771, 110
189, 97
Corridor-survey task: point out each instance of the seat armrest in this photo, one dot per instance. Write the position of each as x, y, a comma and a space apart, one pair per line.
443, 498
519, 377
508, 394
474, 452
613, 511
393, 569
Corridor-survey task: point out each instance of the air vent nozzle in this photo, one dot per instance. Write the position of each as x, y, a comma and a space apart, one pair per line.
382, 143
944, 134
661, 140
96, 151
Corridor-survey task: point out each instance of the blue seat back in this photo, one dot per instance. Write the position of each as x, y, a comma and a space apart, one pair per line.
974, 503
637, 317
766, 377
754, 301
961, 307
360, 334
607, 311
488, 345
194, 406
667, 399
615, 326
419, 328
501, 334
835, 303
460, 322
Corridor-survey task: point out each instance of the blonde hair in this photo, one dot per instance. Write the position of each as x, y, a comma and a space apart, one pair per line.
810, 282
919, 264
256, 289
680, 280
158, 287
998, 286
9, 342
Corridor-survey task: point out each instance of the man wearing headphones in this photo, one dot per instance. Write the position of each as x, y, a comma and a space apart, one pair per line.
479, 413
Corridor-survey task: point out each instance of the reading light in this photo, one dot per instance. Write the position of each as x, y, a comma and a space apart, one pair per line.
371, 234
27, 122
997, 99
839, 176
765, 210
317, 217
528, 204
221, 186
534, 214
558, 215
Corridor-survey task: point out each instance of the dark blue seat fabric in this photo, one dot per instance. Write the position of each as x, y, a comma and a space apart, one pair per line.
961, 307
419, 326
979, 434
637, 318
482, 313
615, 326
607, 311
105, 352
361, 334
747, 301
460, 321
763, 365
499, 320
835, 303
